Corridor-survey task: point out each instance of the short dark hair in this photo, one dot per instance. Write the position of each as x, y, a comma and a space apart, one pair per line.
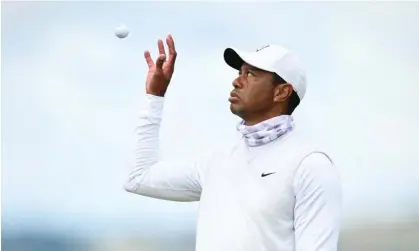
294, 100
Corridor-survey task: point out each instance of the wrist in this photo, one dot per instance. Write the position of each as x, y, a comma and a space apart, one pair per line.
152, 106
157, 92
152, 97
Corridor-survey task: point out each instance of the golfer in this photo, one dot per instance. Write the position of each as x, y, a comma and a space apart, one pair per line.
271, 191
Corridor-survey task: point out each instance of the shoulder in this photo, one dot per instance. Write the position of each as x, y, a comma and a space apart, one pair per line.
307, 156
298, 147
316, 162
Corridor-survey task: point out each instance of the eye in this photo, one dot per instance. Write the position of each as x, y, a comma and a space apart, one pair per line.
249, 73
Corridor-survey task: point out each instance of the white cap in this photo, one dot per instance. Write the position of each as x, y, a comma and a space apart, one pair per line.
272, 58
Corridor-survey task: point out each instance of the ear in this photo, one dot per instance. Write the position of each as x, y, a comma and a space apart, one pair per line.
282, 93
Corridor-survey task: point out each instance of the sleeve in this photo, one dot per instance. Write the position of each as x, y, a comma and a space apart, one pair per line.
317, 211
151, 177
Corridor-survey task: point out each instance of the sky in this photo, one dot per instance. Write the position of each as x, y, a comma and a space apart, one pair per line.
72, 90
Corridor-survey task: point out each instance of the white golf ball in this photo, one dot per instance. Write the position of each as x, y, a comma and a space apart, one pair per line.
121, 31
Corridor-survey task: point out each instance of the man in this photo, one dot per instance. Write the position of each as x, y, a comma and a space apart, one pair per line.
272, 191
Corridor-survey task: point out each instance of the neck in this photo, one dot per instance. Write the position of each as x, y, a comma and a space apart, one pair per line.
253, 120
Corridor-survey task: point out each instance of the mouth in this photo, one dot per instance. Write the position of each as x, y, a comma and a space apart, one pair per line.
234, 97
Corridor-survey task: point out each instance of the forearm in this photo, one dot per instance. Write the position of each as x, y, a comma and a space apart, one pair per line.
146, 142
147, 134
152, 177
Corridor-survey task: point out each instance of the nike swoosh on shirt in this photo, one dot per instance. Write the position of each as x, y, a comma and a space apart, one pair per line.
266, 174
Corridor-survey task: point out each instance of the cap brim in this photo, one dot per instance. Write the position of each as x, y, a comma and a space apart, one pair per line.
233, 59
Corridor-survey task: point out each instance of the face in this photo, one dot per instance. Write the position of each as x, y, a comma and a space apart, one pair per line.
254, 93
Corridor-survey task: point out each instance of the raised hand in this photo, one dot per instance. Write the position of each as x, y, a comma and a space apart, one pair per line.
160, 72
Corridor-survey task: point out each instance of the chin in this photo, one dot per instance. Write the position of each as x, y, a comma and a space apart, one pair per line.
236, 110
233, 108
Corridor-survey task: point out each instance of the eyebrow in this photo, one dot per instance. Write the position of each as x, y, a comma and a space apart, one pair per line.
249, 67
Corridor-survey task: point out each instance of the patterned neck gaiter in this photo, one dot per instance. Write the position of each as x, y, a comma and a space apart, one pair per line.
266, 131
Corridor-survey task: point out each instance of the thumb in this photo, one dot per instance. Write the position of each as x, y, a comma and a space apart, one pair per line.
160, 60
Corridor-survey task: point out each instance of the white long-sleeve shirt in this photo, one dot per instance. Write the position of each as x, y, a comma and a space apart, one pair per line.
296, 207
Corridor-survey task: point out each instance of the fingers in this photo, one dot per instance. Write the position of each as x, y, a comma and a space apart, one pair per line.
162, 54
161, 47
160, 60
148, 59
172, 51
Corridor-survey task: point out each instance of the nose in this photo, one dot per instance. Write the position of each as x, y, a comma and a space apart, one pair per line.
237, 83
